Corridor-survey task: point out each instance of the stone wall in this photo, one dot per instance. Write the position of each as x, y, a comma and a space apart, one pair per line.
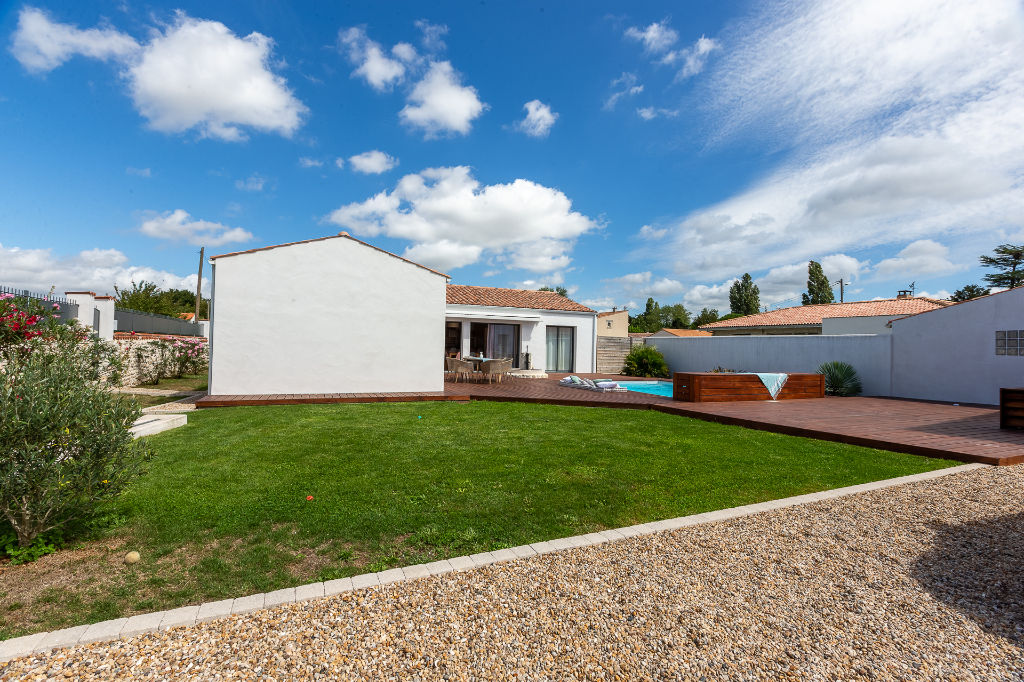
140, 355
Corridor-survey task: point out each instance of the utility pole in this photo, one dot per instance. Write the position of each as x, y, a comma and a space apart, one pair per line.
199, 283
841, 287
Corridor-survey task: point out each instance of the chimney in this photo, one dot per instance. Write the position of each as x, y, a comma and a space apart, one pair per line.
614, 309
904, 293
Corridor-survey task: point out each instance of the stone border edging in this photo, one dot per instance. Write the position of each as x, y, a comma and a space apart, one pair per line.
121, 628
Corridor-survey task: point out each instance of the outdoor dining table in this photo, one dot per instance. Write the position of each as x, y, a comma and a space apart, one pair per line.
477, 361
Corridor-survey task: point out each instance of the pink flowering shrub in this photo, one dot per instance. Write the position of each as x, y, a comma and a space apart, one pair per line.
22, 319
188, 356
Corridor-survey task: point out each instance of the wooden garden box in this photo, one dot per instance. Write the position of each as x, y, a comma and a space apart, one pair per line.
1011, 408
719, 387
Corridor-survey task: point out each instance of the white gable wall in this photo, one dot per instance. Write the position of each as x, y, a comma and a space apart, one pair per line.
950, 354
326, 316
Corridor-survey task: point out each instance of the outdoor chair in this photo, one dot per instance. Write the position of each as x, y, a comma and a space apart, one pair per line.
463, 368
496, 369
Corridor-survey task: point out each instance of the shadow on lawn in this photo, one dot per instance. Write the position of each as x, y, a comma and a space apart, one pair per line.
977, 568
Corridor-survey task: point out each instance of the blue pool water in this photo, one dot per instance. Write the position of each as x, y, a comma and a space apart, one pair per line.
662, 388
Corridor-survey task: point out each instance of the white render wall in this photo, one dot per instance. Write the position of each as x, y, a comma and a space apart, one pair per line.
949, 354
869, 354
326, 316
872, 324
533, 330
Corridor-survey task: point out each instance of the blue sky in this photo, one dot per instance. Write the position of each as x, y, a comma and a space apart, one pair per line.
621, 150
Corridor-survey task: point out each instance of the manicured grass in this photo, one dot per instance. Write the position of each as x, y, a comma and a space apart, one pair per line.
223, 509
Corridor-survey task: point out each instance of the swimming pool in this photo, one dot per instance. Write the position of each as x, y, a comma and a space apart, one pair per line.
662, 388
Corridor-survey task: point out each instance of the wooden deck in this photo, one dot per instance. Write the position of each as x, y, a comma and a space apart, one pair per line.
963, 433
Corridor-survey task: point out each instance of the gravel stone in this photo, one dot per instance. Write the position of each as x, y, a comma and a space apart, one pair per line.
917, 582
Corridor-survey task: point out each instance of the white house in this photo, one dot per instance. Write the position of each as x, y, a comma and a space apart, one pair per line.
539, 330
963, 353
328, 315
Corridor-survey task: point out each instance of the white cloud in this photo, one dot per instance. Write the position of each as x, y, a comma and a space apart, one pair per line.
432, 35
626, 85
940, 294
539, 119
692, 59
709, 296
440, 105
453, 220
838, 266
644, 285
657, 37
307, 162
648, 232
194, 74
178, 226
141, 172
902, 122
41, 44
444, 254
651, 113
406, 52
372, 64
199, 75
253, 183
339, 162
372, 162
93, 270
917, 259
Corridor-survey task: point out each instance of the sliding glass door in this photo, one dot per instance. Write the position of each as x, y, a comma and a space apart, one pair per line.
560, 348
503, 342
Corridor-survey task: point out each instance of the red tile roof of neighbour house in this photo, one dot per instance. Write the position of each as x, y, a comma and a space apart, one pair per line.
640, 335
811, 315
462, 294
346, 235
685, 332
612, 312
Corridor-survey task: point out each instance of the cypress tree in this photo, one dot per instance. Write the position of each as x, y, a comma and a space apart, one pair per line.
818, 288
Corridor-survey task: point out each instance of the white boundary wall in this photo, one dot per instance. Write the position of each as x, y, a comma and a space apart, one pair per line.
947, 354
326, 316
870, 354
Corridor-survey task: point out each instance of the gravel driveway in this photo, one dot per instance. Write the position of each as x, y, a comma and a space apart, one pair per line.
924, 581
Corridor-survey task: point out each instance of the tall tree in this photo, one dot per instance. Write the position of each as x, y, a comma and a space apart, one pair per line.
143, 296
744, 296
561, 291
967, 292
819, 290
674, 316
705, 316
1007, 260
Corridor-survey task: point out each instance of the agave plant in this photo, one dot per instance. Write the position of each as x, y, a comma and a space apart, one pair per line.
840, 379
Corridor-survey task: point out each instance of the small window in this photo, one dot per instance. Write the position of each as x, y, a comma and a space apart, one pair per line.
609, 323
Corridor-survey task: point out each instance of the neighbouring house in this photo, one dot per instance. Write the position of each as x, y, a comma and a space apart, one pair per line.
537, 330
614, 323
680, 332
963, 352
856, 317
327, 315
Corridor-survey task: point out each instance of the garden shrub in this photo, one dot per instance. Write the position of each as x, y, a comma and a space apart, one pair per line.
840, 379
645, 361
187, 356
65, 438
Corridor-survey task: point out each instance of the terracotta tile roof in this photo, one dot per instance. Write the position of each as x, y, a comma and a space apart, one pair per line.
612, 312
346, 235
810, 315
462, 294
685, 332
640, 335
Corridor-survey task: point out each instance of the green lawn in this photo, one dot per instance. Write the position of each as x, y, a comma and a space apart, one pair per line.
223, 509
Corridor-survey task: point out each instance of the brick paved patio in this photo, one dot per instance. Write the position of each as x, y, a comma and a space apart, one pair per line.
963, 433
